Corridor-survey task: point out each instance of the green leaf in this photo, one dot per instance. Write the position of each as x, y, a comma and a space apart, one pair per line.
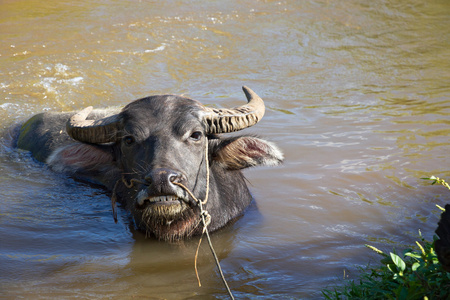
391, 268
421, 248
398, 262
375, 249
440, 207
415, 266
413, 255
386, 260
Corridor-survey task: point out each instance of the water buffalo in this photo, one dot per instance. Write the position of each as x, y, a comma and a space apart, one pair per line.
143, 151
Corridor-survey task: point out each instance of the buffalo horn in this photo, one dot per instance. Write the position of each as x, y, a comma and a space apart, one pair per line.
237, 118
92, 131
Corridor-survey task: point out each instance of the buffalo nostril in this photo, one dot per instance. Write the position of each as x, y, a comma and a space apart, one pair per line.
173, 178
162, 176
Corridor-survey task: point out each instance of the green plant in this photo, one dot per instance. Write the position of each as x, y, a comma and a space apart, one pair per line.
437, 180
416, 274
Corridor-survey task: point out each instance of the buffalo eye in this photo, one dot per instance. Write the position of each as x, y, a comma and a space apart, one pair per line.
196, 135
128, 140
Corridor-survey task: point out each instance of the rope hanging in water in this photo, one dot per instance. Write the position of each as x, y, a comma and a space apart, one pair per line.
206, 217
206, 220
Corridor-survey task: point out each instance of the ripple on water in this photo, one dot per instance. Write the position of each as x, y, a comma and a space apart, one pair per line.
357, 98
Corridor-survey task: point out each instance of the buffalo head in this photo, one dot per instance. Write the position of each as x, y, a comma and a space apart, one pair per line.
155, 143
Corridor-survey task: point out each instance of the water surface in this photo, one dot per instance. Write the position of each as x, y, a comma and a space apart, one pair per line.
357, 97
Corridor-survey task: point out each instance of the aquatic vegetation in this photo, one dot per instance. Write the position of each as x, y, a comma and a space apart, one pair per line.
416, 274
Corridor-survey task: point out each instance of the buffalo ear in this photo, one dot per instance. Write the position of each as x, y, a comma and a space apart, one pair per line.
87, 162
243, 152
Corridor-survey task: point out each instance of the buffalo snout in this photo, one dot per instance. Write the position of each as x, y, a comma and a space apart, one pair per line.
161, 181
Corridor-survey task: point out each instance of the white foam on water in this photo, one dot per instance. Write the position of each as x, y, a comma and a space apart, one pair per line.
160, 48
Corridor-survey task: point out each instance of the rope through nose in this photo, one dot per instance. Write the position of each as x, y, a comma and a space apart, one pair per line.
206, 217
114, 195
206, 220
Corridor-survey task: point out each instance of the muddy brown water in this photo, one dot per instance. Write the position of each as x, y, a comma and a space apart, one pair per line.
357, 96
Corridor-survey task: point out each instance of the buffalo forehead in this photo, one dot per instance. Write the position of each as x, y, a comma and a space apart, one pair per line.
167, 114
